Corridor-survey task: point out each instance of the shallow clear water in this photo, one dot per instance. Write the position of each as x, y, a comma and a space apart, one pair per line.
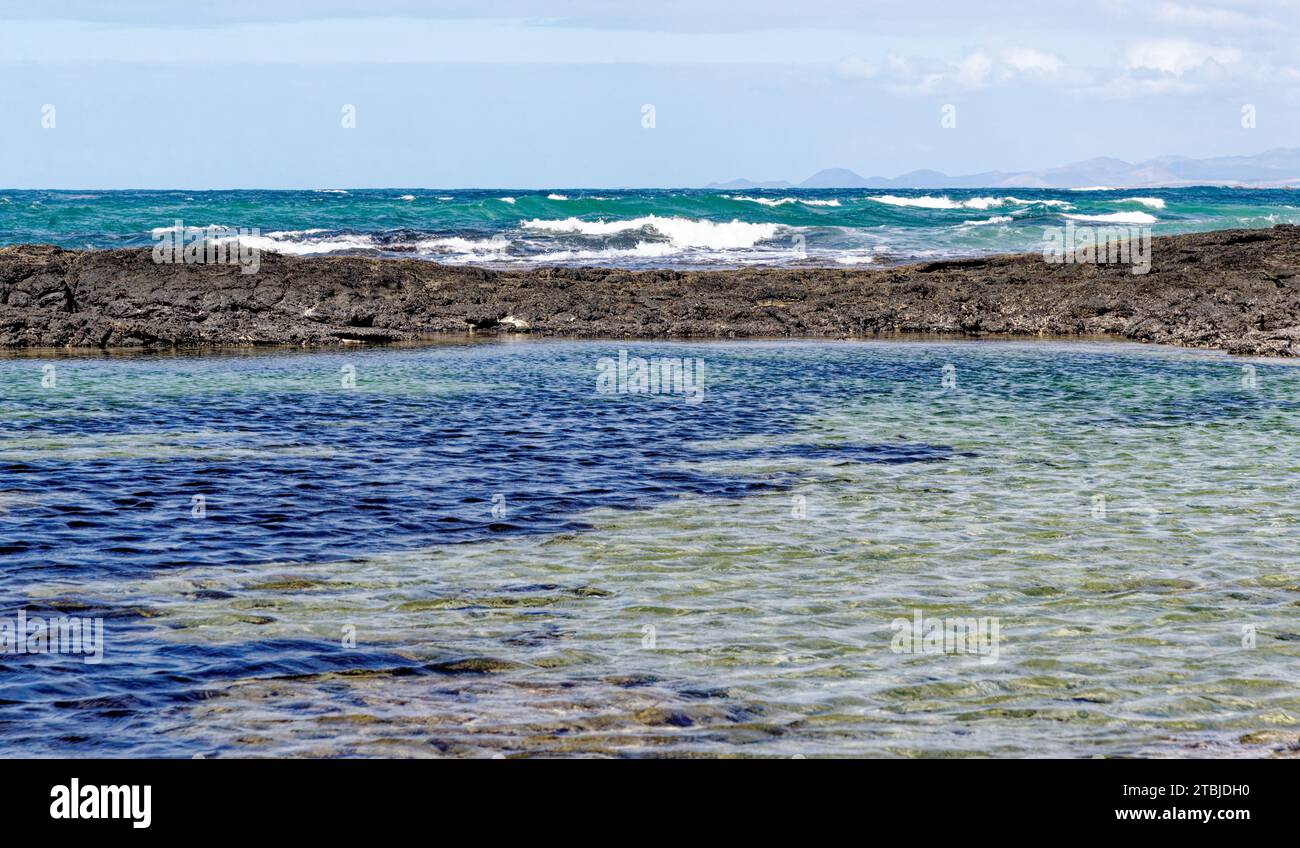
474, 552
635, 228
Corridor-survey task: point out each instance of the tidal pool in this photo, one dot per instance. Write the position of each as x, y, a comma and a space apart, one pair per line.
918, 549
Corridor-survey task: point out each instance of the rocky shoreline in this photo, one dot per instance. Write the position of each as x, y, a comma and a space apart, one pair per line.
1238, 290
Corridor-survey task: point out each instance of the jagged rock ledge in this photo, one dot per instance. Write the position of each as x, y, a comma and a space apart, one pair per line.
1238, 290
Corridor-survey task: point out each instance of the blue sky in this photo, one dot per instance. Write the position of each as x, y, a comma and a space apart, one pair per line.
550, 94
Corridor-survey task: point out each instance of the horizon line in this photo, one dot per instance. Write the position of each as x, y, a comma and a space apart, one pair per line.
714, 187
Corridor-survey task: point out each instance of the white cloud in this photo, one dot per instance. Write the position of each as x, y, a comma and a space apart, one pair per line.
899, 74
855, 67
1177, 56
1022, 60
1154, 66
1205, 17
973, 70
1124, 88
1173, 67
898, 65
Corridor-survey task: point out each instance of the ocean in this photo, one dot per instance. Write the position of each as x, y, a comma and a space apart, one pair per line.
478, 548
687, 228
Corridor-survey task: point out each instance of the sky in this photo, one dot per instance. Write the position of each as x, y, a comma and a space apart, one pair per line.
514, 94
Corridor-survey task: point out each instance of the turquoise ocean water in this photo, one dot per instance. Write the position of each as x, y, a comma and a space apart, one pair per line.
635, 228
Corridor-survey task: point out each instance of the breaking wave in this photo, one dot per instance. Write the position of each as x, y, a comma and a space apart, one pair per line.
996, 219
292, 243
1117, 218
942, 201
1151, 202
683, 232
633, 228
782, 201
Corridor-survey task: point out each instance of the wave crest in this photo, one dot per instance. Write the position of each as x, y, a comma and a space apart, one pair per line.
682, 232
782, 201
942, 201
1150, 202
1117, 218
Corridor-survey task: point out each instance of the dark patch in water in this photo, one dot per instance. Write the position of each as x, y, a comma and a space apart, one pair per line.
409, 471
1205, 408
319, 474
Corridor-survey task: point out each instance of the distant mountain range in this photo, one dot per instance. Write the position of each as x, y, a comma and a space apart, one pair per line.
1271, 169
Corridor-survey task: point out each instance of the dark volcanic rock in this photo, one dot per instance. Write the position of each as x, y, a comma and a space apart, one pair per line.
1237, 289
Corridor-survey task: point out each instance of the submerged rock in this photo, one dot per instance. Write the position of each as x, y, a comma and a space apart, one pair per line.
473, 665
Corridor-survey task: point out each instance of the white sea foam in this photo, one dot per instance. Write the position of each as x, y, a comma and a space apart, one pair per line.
328, 191
854, 258
292, 233
456, 244
407, 197
706, 241
765, 201
158, 231
782, 201
927, 201
996, 219
643, 250
456, 250
982, 203
556, 197
1062, 204
281, 243
300, 243
923, 202
683, 232
1152, 202
1117, 218
510, 200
